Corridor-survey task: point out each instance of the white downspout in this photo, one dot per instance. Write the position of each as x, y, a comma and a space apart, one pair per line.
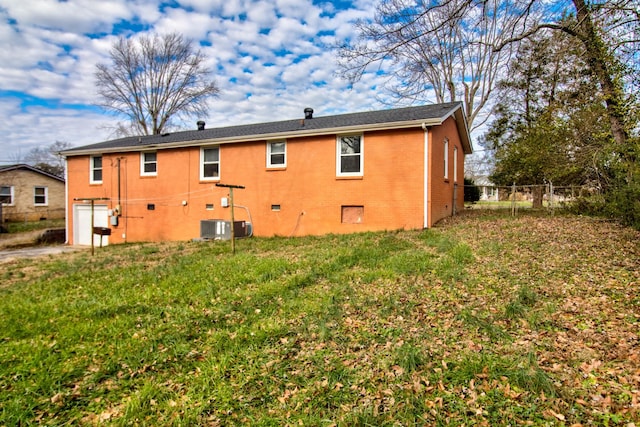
426, 176
66, 201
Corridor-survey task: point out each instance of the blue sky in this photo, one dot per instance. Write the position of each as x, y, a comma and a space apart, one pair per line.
271, 59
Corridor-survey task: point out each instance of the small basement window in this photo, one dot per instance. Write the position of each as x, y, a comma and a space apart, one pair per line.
209, 206
275, 208
352, 214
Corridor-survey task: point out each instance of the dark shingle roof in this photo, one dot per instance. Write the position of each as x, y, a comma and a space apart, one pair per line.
7, 168
281, 128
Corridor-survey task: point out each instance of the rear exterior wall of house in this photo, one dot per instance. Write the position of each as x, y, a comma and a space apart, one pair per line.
306, 196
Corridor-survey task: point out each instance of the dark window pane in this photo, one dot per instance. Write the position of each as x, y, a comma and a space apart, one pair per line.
97, 175
5, 195
211, 170
277, 159
149, 167
350, 164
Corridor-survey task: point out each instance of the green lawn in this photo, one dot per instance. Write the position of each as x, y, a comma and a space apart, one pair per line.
484, 320
22, 226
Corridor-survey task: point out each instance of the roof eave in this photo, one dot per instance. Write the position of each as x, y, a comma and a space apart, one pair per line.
262, 137
463, 130
32, 169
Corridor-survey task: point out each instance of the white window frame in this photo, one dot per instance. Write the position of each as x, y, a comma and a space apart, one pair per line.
270, 154
11, 194
446, 158
339, 155
202, 163
144, 161
46, 195
93, 169
455, 164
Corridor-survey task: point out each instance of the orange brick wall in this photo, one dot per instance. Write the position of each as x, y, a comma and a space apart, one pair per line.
308, 192
441, 190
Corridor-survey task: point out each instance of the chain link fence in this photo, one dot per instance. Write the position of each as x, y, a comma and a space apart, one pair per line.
516, 197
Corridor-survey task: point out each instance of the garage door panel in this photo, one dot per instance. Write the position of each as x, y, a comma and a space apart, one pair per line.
82, 231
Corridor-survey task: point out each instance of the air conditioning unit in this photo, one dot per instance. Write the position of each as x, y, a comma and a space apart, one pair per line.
218, 229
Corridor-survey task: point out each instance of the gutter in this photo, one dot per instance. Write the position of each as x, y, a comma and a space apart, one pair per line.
261, 137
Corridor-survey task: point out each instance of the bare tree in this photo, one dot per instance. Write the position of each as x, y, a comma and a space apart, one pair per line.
456, 49
48, 158
153, 80
435, 49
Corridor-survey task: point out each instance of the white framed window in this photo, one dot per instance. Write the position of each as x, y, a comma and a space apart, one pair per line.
95, 173
277, 154
210, 163
40, 196
6, 195
349, 159
149, 163
455, 164
446, 158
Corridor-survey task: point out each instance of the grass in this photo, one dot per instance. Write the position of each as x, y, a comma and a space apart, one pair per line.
24, 226
485, 320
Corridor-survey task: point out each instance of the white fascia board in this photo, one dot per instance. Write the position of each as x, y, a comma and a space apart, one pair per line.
262, 137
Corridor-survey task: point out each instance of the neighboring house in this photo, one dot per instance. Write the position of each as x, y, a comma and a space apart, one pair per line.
488, 191
30, 194
380, 170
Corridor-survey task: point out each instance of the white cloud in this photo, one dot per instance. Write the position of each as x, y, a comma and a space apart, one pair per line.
267, 57
71, 16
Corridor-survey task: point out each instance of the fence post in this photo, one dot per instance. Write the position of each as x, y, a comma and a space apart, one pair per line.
513, 199
551, 196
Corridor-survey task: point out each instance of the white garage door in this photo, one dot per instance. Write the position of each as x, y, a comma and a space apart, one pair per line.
82, 230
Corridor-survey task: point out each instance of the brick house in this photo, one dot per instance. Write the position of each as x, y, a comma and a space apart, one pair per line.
30, 194
380, 170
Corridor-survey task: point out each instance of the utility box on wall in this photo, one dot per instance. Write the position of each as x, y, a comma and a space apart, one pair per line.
218, 229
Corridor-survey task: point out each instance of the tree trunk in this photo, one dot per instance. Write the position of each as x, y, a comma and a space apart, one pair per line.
537, 193
598, 59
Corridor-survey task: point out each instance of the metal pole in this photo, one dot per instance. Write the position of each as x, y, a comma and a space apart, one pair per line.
92, 223
233, 231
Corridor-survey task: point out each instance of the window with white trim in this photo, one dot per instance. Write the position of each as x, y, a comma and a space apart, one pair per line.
6, 195
40, 196
446, 158
349, 160
455, 164
149, 163
210, 163
277, 154
96, 170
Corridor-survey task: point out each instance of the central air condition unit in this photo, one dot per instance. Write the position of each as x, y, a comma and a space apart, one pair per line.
218, 229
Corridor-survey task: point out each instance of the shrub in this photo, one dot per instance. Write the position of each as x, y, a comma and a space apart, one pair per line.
471, 191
